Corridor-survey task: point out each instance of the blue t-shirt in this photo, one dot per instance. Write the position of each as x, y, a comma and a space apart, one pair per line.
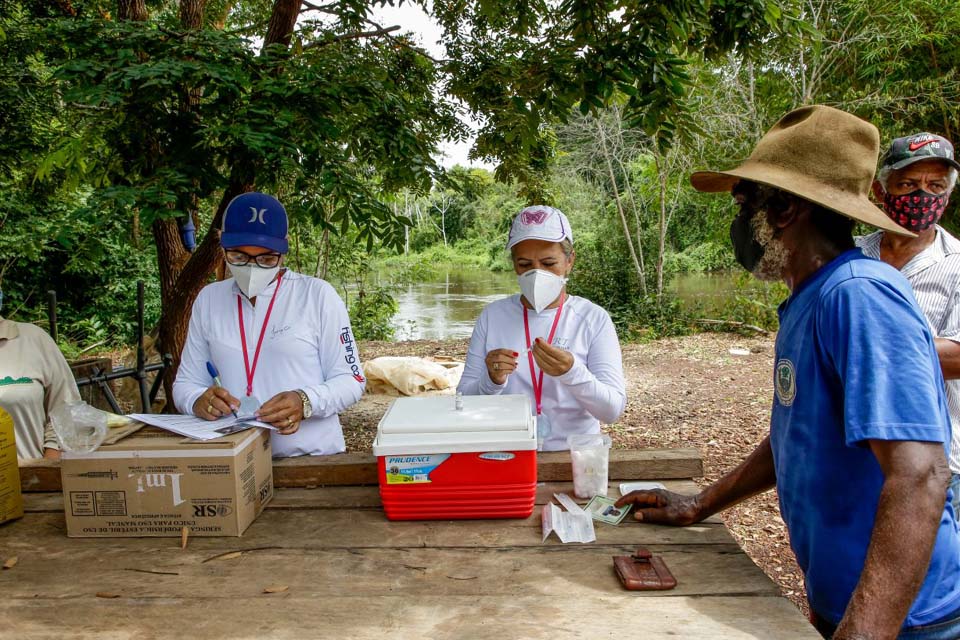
854, 362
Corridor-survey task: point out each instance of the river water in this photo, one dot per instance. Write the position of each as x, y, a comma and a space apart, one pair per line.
448, 305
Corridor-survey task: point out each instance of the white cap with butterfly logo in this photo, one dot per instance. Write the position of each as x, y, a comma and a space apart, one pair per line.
539, 222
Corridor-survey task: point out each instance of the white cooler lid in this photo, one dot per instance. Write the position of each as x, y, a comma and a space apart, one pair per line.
432, 424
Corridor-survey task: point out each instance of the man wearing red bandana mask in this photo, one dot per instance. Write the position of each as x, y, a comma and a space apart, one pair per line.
916, 177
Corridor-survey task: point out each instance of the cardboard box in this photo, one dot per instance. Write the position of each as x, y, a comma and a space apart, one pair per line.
154, 483
11, 502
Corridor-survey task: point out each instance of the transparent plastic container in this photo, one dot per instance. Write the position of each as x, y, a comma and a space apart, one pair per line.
80, 428
590, 456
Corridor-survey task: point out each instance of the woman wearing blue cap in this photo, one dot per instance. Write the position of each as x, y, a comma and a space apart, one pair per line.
270, 342
559, 349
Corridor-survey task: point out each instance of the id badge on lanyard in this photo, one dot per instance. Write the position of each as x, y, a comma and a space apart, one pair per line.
543, 423
249, 404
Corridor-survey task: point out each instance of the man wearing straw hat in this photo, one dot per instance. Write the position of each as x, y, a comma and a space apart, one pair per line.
859, 425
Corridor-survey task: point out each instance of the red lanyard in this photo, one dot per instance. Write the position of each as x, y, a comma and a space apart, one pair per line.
263, 330
538, 384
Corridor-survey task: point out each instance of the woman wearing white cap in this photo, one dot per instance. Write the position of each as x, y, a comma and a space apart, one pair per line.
560, 349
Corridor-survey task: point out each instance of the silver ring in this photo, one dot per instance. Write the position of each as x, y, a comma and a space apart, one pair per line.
496, 366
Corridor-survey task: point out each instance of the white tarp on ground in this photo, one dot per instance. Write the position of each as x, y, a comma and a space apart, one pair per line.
410, 375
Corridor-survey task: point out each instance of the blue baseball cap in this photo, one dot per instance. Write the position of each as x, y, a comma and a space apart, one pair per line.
257, 220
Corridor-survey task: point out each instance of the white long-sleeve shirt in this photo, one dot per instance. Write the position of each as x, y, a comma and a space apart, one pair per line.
308, 345
35, 379
591, 392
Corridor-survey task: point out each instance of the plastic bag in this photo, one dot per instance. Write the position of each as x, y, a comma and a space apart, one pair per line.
80, 428
590, 456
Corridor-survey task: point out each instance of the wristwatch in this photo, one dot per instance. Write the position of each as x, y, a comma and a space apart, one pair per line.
307, 407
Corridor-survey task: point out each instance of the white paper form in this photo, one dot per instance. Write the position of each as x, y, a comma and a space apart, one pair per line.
198, 428
574, 525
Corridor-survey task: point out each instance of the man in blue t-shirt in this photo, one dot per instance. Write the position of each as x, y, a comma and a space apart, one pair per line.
859, 427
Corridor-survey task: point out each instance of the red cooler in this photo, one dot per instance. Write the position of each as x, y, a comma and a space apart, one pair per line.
438, 462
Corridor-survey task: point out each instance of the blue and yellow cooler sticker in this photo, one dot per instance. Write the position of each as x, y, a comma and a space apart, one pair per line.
11, 503
413, 469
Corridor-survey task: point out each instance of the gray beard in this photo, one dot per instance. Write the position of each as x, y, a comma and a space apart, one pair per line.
775, 254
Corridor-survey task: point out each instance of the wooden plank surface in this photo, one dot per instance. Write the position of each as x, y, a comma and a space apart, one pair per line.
39, 475
335, 559
361, 468
358, 528
169, 572
354, 497
292, 616
350, 573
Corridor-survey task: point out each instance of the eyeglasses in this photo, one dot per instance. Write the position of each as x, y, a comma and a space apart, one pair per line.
264, 260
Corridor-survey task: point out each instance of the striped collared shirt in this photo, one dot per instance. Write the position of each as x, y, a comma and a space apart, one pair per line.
934, 274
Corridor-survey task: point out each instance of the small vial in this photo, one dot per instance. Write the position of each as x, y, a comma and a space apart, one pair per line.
458, 401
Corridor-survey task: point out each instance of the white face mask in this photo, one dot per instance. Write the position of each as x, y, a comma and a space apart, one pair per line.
252, 279
540, 288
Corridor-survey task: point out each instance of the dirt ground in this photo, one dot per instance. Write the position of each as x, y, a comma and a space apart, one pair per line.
682, 392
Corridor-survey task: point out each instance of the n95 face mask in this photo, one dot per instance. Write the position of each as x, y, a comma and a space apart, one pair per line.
540, 288
252, 279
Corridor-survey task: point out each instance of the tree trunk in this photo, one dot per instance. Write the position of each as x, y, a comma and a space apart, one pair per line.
662, 180
137, 234
443, 224
67, 8
171, 258
220, 21
633, 203
132, 10
324, 244
283, 19
180, 286
616, 197
191, 13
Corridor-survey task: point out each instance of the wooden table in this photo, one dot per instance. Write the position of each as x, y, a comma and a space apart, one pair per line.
350, 573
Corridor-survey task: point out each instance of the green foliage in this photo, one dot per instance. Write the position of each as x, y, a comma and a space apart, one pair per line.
135, 121
586, 55
601, 275
326, 118
93, 265
756, 305
709, 256
109, 125
370, 313
369, 304
418, 266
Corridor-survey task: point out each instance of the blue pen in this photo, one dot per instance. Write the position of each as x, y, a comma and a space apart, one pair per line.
212, 370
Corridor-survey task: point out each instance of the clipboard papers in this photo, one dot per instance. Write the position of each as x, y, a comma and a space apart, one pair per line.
198, 428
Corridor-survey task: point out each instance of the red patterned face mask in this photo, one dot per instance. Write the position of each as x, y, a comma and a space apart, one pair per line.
915, 211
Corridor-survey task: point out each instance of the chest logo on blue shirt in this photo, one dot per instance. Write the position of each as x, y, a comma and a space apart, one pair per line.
785, 382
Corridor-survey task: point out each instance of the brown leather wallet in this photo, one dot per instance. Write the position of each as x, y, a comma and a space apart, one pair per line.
643, 572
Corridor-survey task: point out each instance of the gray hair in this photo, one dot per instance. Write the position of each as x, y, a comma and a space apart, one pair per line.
884, 175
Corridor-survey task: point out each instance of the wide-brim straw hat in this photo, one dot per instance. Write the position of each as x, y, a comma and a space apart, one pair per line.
819, 153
